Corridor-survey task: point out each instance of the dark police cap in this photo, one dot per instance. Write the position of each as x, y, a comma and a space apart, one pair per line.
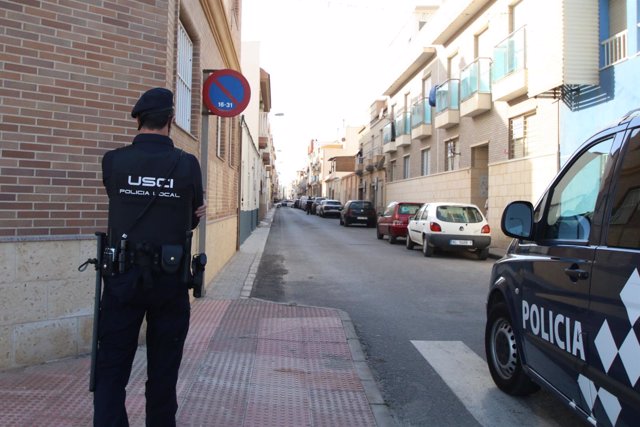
154, 100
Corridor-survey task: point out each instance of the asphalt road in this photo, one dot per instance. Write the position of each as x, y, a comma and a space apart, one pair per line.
420, 320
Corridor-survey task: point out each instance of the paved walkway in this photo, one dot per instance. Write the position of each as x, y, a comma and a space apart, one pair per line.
246, 362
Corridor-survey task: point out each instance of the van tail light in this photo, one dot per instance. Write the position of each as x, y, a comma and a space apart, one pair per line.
485, 229
434, 226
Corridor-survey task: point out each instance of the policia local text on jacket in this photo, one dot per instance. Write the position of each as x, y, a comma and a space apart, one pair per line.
155, 197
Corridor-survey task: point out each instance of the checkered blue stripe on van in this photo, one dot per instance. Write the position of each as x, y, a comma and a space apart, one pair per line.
608, 350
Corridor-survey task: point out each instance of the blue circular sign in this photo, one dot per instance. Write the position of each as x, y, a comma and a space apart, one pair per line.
226, 93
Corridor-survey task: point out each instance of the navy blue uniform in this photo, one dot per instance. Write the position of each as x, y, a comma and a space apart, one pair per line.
133, 176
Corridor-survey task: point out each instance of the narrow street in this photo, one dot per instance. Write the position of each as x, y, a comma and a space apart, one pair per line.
420, 320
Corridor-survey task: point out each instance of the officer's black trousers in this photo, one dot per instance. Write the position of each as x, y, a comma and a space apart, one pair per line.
167, 313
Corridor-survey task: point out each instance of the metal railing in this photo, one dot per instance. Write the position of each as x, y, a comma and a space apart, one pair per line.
475, 78
448, 96
509, 55
387, 133
403, 123
614, 49
420, 113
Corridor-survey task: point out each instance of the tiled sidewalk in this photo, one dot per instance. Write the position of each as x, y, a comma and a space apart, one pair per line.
246, 362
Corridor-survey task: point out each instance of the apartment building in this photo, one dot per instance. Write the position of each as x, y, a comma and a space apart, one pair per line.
588, 108
71, 72
373, 166
259, 176
483, 104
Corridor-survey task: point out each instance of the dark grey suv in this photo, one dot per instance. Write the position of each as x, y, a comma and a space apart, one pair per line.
358, 212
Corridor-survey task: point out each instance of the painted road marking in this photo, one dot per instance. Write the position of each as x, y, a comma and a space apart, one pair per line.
467, 375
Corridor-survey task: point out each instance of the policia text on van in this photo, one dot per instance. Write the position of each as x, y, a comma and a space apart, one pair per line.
564, 303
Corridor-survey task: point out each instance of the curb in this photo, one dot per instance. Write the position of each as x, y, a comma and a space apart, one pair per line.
377, 404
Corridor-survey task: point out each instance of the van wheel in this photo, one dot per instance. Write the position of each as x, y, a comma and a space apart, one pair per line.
392, 239
483, 254
409, 242
379, 235
427, 250
503, 354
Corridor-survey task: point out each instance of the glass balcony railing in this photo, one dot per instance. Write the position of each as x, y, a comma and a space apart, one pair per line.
475, 78
448, 96
387, 133
420, 113
509, 55
403, 123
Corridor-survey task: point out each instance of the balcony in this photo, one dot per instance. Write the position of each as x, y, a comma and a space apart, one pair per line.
368, 164
509, 68
379, 160
266, 158
403, 129
388, 145
263, 142
359, 165
421, 119
448, 104
614, 49
475, 88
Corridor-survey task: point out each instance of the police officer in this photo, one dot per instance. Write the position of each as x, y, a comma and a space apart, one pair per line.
155, 197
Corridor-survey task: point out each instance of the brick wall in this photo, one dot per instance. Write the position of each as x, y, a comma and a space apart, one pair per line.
70, 73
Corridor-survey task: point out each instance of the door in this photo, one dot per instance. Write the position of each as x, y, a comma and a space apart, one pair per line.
414, 229
556, 278
611, 387
385, 219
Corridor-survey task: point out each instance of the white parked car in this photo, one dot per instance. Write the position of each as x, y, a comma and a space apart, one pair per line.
329, 207
449, 226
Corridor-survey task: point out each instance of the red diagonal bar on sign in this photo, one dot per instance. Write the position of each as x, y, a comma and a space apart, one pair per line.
225, 91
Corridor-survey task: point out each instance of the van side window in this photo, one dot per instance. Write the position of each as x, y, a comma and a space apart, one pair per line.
624, 226
573, 199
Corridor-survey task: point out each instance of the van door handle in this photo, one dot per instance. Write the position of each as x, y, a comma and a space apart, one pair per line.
576, 273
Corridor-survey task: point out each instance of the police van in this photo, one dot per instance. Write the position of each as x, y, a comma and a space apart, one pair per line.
564, 302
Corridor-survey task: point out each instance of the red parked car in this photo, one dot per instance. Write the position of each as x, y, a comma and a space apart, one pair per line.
393, 221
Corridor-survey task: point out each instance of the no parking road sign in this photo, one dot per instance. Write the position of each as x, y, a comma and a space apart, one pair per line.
226, 93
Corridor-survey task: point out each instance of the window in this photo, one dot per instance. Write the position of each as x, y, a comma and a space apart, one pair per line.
483, 46
234, 138
573, 199
517, 16
426, 86
184, 79
458, 214
519, 128
221, 137
624, 226
405, 167
451, 155
454, 66
424, 162
392, 167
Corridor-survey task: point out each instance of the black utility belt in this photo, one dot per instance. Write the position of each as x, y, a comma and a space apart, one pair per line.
163, 258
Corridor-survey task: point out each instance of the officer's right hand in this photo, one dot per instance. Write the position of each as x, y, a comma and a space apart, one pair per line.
201, 211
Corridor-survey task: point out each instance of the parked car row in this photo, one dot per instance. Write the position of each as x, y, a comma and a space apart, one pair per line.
433, 226
436, 226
